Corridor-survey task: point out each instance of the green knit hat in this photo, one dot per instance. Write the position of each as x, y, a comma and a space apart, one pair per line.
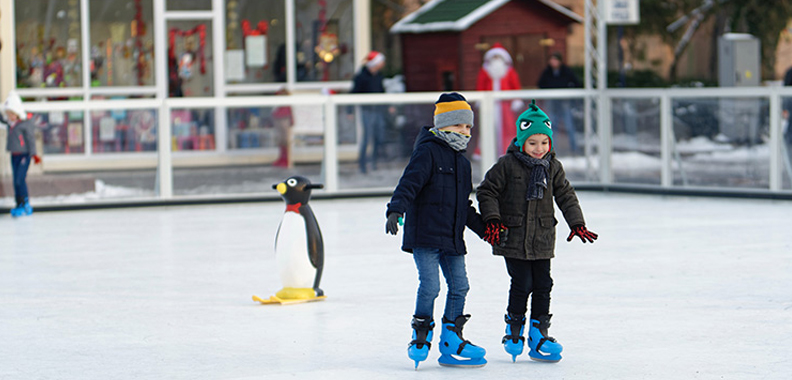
533, 121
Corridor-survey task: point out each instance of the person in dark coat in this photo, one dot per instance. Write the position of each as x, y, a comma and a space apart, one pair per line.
516, 201
21, 143
369, 80
433, 196
559, 75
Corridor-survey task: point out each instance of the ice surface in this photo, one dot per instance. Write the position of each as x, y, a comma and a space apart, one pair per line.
675, 288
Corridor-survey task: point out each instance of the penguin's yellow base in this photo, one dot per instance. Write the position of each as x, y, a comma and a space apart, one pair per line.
288, 296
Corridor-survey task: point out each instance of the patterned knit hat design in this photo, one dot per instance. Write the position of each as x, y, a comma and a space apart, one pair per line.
533, 121
452, 108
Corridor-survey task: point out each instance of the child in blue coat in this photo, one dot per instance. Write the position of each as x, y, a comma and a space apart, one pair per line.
433, 197
21, 143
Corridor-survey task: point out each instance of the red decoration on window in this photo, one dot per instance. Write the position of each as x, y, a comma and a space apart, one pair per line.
261, 28
200, 30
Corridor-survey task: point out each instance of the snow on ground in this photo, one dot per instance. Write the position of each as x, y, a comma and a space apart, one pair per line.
675, 288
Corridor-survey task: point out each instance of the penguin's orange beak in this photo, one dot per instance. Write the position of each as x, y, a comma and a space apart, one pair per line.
281, 187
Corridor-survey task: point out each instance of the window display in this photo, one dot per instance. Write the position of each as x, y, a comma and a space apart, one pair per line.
48, 47
122, 43
190, 68
255, 41
325, 35
124, 130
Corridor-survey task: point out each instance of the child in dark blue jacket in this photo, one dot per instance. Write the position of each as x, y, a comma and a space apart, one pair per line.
434, 194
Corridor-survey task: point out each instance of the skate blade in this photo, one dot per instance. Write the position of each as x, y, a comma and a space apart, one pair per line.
450, 361
552, 358
273, 300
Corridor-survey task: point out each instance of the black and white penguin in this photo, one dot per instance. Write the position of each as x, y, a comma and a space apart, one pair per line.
299, 249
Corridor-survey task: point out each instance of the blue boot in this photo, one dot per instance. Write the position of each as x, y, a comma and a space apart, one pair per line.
544, 348
514, 340
455, 350
27, 209
17, 211
419, 347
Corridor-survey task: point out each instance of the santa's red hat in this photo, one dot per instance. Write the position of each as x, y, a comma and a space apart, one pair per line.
498, 50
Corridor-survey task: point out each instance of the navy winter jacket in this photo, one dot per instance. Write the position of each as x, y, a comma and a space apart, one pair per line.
433, 194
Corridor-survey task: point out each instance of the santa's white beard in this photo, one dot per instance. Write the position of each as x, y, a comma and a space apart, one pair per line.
496, 69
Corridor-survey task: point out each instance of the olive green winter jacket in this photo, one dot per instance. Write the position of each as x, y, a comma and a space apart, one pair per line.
531, 223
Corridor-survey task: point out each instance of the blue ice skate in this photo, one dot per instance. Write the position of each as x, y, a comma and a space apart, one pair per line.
514, 340
27, 209
419, 347
455, 350
544, 348
17, 211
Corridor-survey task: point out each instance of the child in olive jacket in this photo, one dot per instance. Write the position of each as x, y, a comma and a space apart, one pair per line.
433, 195
516, 201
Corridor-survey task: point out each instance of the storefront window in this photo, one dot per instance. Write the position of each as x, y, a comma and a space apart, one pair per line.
255, 41
189, 5
190, 63
48, 43
124, 131
193, 129
62, 131
325, 35
122, 43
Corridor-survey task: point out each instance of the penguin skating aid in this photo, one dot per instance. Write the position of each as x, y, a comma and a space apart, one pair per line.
299, 249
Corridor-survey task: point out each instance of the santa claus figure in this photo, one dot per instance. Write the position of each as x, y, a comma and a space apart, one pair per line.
497, 74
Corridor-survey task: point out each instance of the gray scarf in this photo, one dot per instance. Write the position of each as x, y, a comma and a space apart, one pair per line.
538, 181
456, 141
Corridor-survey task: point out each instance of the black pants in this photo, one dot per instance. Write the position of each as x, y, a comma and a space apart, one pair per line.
529, 277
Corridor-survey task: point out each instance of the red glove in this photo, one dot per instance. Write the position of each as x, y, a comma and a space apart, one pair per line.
36, 159
495, 234
583, 234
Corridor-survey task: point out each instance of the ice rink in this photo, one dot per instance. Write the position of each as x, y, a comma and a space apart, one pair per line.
675, 288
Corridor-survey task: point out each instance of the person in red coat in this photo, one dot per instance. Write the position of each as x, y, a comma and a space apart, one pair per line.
497, 74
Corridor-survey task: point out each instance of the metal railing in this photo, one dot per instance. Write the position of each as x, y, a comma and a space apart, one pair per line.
598, 153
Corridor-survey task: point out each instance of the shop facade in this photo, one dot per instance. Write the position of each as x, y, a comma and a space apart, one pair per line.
133, 52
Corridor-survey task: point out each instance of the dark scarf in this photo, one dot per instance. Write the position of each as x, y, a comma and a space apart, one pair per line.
538, 181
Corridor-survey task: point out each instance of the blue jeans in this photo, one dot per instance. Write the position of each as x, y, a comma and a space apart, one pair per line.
560, 110
373, 134
19, 167
427, 260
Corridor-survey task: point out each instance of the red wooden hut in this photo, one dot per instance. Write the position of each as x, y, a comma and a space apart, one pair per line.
444, 41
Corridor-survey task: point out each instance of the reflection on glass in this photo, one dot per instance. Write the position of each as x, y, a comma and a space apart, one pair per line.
122, 43
61, 131
124, 131
193, 129
190, 67
325, 38
720, 142
48, 47
394, 144
636, 141
255, 37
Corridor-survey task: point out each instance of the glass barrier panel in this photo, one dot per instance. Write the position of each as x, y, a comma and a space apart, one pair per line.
786, 144
721, 142
193, 129
122, 130
375, 143
636, 141
265, 145
61, 131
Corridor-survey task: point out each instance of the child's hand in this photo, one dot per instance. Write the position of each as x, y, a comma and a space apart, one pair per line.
392, 226
496, 232
36, 159
583, 234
